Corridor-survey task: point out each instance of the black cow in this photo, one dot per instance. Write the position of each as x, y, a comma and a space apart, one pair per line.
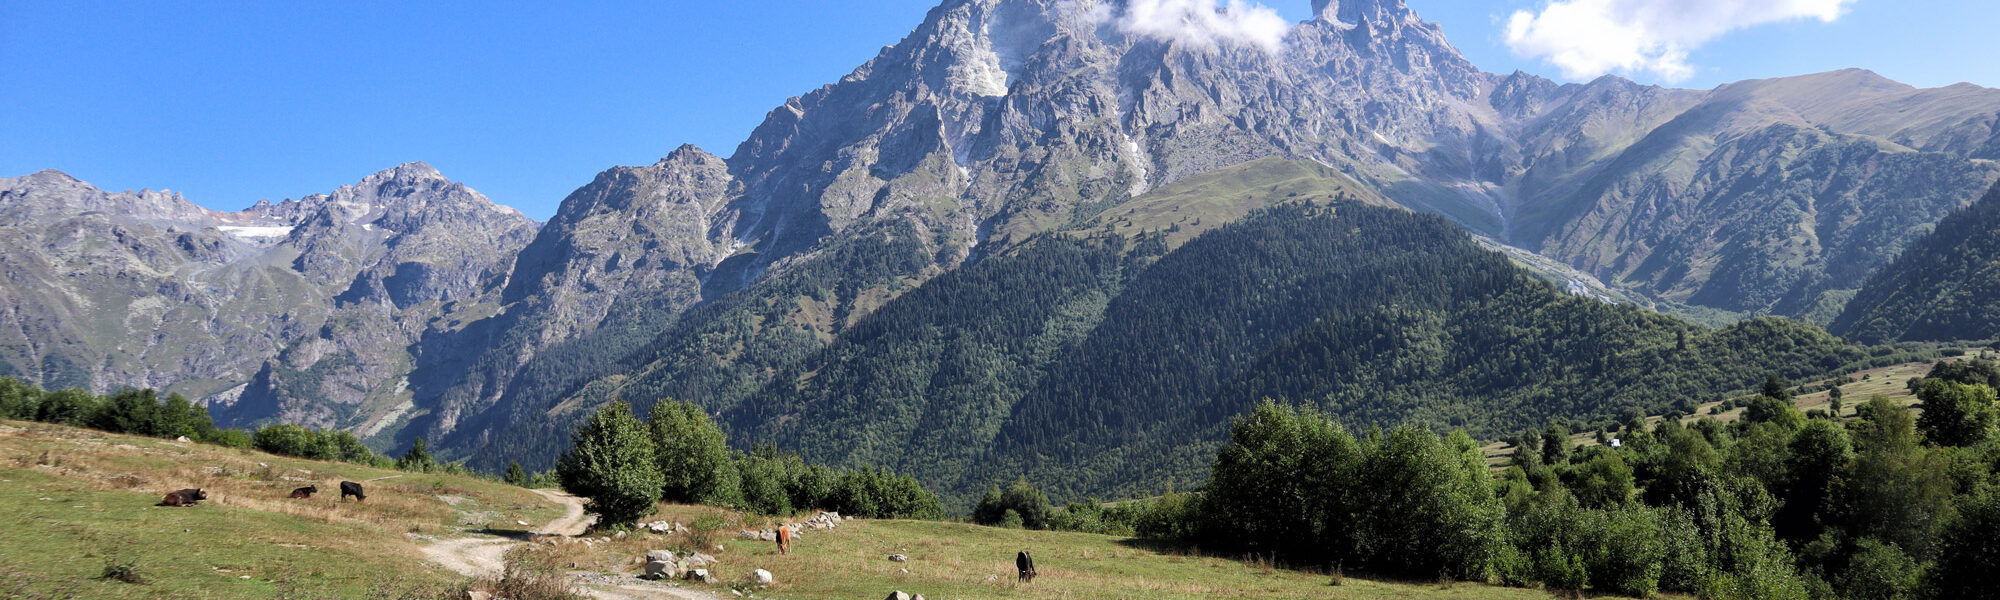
305, 492
1026, 564
349, 488
187, 497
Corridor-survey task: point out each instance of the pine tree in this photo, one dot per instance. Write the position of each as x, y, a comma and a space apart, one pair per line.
515, 475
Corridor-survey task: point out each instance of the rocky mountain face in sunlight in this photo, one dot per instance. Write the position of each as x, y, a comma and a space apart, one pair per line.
409, 304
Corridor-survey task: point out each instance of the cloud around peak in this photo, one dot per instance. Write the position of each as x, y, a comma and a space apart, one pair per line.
1587, 38
1208, 24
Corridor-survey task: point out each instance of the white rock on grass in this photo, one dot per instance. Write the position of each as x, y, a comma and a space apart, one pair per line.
763, 577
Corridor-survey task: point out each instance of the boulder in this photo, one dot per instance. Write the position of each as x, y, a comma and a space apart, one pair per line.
618, 536
700, 575
763, 577
700, 560
748, 535
661, 569
898, 558
661, 555
768, 535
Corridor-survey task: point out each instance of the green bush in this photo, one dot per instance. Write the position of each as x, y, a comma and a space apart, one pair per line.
611, 461
1878, 571
1025, 500
693, 456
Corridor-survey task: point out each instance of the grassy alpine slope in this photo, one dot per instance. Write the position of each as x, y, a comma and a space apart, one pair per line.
85, 499
81, 501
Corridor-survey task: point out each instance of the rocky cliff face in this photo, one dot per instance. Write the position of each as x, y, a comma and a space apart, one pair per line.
304, 310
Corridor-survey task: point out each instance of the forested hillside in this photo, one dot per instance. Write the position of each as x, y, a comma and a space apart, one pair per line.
1107, 360
1945, 287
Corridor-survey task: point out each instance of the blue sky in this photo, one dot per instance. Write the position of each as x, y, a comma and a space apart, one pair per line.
229, 102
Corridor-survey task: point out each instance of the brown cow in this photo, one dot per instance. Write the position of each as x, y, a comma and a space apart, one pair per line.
187, 497
305, 492
784, 539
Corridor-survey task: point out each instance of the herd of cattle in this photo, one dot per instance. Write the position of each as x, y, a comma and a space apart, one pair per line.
193, 496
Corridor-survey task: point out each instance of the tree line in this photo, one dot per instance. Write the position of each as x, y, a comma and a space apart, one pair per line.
624, 465
1782, 504
144, 412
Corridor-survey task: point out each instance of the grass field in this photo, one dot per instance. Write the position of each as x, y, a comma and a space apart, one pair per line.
79, 501
959, 560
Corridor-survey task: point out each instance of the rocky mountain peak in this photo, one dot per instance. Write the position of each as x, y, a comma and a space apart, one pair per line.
1356, 11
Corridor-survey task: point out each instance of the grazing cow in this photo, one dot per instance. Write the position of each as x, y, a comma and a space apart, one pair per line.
1026, 564
187, 497
784, 539
305, 492
349, 488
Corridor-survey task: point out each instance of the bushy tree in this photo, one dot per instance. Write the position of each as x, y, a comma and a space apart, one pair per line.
692, 455
1878, 571
1968, 564
1604, 481
1956, 414
418, 459
1021, 497
515, 475
763, 480
18, 400
292, 440
1428, 508
1281, 486
612, 461
67, 407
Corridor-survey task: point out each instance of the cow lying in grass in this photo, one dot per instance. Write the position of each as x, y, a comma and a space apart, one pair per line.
305, 492
187, 497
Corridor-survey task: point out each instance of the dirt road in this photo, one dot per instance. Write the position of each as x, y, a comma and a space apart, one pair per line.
485, 557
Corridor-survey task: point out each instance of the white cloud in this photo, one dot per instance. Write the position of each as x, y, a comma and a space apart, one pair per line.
1205, 23
1587, 38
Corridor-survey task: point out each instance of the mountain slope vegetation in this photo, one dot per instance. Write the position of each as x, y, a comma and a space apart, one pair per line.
1945, 287
1107, 364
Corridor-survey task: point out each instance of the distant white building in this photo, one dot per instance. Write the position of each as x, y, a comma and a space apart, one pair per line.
1616, 443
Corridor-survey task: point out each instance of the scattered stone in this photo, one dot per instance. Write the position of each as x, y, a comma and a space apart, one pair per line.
737, 593
898, 558
905, 571
718, 547
478, 595
661, 569
992, 578
660, 555
763, 577
521, 523
700, 575
748, 535
701, 560
618, 536
768, 535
